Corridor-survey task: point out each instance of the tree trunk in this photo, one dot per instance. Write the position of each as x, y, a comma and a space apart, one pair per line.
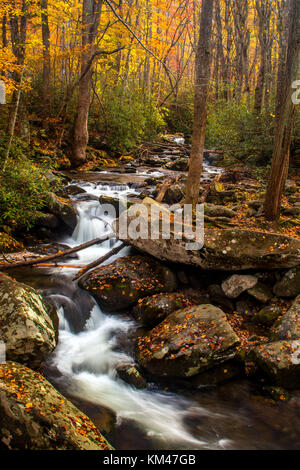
18, 31
284, 113
202, 76
91, 11
46, 57
263, 8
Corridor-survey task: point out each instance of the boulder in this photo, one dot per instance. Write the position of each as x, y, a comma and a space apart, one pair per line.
130, 374
288, 327
174, 194
289, 285
47, 221
27, 324
152, 310
73, 190
280, 360
213, 210
119, 205
224, 249
188, 342
180, 164
261, 292
237, 284
121, 284
34, 416
63, 210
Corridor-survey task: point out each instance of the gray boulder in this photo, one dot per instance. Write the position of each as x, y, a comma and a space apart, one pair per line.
224, 249
261, 292
289, 285
188, 342
63, 210
288, 327
27, 324
130, 374
152, 310
280, 360
237, 284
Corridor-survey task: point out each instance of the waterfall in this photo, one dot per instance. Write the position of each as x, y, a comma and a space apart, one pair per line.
87, 360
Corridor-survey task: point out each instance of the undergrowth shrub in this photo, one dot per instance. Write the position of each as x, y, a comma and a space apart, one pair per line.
23, 191
125, 120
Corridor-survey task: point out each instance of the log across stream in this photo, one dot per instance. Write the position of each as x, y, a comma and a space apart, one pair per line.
92, 344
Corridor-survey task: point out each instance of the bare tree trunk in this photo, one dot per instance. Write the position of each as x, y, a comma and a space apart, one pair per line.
46, 57
284, 112
91, 11
18, 30
263, 8
203, 60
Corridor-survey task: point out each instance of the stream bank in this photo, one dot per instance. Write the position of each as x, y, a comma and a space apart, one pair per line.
214, 414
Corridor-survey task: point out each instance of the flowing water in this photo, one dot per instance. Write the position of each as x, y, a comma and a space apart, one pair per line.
92, 343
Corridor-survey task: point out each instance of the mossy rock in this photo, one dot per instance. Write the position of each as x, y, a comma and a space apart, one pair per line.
152, 310
188, 342
29, 328
121, 284
34, 416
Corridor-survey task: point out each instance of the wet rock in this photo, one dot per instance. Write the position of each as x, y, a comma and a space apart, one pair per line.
224, 249
73, 190
131, 375
188, 342
27, 328
237, 284
180, 164
219, 375
86, 197
267, 315
121, 284
34, 416
261, 292
120, 205
288, 326
276, 393
155, 161
152, 310
63, 210
289, 285
174, 194
219, 211
47, 221
280, 360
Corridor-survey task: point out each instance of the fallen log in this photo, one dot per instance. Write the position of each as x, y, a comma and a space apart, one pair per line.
57, 255
98, 261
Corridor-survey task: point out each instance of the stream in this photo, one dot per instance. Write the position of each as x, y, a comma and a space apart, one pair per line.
92, 343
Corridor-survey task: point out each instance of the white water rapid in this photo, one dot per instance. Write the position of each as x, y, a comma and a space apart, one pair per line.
87, 360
